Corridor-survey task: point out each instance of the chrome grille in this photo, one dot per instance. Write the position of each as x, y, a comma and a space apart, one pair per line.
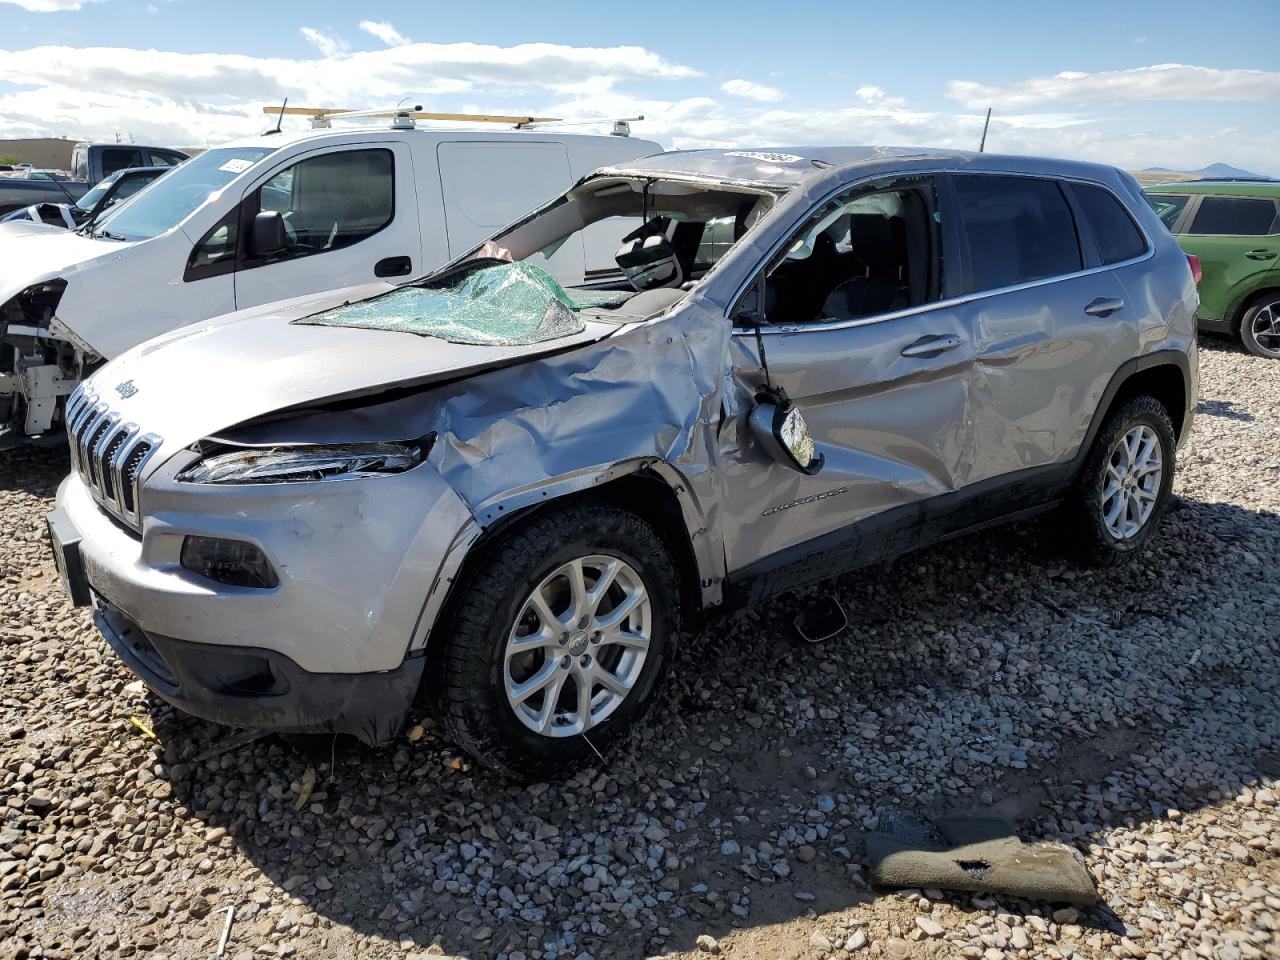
108, 454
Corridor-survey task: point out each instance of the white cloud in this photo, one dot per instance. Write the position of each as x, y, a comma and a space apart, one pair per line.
384, 32
327, 45
874, 96
1163, 81
48, 6
751, 90
198, 99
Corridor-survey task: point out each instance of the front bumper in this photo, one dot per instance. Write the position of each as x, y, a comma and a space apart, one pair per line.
253, 687
363, 565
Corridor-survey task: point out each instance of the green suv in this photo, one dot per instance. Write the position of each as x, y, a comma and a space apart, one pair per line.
1233, 228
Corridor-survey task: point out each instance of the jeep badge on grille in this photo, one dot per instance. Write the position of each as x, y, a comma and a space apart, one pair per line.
126, 389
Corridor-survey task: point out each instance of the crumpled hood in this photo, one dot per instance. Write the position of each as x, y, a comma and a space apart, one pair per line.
32, 252
209, 376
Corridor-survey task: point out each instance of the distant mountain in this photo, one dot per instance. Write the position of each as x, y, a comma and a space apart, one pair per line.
1212, 170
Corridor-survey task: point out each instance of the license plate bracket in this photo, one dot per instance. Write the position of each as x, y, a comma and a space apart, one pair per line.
64, 539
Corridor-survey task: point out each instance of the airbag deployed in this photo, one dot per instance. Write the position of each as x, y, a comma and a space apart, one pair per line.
506, 304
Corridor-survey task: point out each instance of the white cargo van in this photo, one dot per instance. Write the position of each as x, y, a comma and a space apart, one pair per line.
270, 218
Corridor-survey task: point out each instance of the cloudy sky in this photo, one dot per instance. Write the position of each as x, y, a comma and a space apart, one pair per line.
1137, 84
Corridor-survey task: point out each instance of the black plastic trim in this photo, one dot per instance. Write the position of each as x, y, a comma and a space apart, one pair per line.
244, 686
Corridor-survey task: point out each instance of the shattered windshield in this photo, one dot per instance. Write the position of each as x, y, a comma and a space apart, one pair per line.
504, 303
614, 249
183, 189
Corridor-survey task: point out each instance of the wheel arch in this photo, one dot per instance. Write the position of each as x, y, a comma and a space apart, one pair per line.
653, 490
1246, 300
1164, 375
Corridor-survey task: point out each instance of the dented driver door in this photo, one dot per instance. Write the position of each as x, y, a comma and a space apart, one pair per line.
885, 397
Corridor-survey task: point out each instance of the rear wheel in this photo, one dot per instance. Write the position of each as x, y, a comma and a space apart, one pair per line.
558, 641
1123, 492
1260, 328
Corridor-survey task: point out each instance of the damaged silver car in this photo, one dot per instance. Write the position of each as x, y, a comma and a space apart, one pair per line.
515, 495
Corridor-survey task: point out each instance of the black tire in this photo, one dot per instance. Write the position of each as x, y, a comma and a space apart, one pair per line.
1082, 522
466, 681
1269, 348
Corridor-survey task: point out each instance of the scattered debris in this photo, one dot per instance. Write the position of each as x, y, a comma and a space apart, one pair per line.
308, 784
144, 728
230, 911
980, 854
821, 620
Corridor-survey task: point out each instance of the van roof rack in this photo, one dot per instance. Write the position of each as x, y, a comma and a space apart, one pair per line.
403, 118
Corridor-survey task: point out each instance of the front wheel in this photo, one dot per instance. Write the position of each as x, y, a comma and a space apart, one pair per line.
1124, 489
558, 640
1260, 328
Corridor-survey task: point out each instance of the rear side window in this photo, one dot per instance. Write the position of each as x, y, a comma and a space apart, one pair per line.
1168, 206
1018, 229
1117, 236
1235, 216
120, 158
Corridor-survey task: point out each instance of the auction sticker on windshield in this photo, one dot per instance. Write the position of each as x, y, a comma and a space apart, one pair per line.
236, 166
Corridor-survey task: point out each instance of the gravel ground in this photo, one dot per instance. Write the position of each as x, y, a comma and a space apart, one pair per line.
1131, 713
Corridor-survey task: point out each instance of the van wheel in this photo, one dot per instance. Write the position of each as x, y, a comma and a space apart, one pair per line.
1122, 493
558, 640
1260, 328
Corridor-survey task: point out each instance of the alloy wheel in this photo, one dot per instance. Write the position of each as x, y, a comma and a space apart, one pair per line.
1266, 327
1131, 482
578, 646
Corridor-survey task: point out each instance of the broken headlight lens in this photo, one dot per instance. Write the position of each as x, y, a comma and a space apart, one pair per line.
294, 464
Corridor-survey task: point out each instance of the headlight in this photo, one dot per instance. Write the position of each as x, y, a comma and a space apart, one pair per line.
319, 462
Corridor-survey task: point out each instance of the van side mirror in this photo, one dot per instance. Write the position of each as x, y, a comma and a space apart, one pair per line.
779, 427
268, 236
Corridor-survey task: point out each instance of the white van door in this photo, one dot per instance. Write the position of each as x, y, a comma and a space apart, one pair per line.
489, 183
350, 216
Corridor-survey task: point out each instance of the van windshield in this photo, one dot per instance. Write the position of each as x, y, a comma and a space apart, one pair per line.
152, 212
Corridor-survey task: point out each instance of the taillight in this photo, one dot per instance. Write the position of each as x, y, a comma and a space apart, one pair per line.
1196, 273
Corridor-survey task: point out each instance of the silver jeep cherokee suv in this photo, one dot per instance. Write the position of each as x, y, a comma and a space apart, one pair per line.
512, 494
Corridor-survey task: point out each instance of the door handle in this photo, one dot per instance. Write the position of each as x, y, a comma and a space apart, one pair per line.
393, 267
1260, 254
1104, 306
931, 346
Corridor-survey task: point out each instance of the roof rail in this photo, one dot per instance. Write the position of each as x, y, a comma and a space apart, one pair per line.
403, 118
400, 116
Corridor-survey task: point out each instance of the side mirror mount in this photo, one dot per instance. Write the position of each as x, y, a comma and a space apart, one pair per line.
268, 236
750, 309
779, 427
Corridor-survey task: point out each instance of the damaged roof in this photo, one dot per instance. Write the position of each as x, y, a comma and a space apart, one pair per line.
785, 167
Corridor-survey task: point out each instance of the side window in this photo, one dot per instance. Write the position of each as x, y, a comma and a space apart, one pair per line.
1117, 236
125, 189
717, 238
1168, 206
215, 254
159, 159
120, 158
1018, 229
863, 254
331, 201
1235, 216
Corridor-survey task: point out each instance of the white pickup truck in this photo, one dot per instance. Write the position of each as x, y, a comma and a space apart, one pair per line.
271, 218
